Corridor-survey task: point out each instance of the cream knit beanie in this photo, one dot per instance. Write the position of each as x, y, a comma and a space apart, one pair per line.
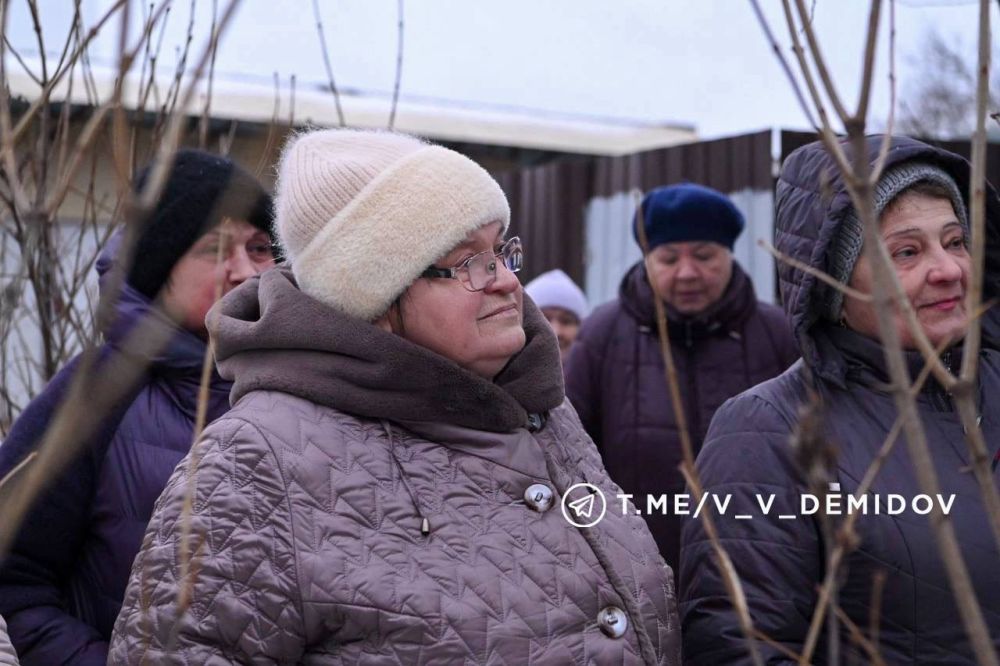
361, 214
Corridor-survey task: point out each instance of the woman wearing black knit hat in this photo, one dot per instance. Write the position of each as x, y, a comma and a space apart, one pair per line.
62, 584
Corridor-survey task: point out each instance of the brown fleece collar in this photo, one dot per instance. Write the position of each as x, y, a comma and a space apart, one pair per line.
269, 335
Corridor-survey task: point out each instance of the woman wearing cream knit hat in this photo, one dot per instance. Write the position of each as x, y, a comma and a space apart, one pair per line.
401, 479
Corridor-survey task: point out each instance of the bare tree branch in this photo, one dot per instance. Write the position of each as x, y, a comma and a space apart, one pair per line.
326, 62
272, 130
883, 154
819, 61
17, 56
726, 569
825, 278
399, 67
779, 54
869, 59
36, 25
25, 119
825, 131
203, 130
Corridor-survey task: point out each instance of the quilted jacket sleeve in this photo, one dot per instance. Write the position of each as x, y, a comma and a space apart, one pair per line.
242, 602
746, 457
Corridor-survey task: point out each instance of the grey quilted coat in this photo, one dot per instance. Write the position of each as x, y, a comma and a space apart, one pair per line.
364, 502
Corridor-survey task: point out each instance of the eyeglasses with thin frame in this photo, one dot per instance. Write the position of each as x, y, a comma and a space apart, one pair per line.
259, 250
480, 270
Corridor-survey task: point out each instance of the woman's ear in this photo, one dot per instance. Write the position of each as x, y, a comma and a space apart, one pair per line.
383, 323
391, 320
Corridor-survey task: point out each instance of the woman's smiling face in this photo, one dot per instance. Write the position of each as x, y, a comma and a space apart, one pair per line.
928, 247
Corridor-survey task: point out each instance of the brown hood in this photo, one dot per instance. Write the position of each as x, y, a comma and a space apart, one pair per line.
269, 335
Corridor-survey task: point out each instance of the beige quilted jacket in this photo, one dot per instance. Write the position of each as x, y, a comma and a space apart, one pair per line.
320, 536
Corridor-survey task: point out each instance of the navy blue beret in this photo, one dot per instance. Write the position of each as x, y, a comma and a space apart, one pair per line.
689, 212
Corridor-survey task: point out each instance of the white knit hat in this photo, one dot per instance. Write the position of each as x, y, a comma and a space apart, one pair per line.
555, 289
361, 214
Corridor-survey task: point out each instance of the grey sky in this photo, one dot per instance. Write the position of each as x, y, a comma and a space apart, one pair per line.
700, 62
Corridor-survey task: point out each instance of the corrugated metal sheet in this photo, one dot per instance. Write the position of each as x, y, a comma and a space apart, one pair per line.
549, 203
575, 214
728, 165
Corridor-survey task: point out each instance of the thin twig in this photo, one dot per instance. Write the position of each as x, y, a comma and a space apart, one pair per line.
823, 277
7, 139
203, 131
85, 141
17, 56
819, 61
825, 130
966, 397
17, 468
399, 67
796, 88
22, 123
859, 638
869, 60
977, 193
875, 615
727, 570
201, 414
883, 153
767, 640
326, 62
272, 130
74, 28
844, 538
36, 24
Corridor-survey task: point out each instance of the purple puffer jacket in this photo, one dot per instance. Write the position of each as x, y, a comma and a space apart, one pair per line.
615, 379
749, 453
369, 501
62, 584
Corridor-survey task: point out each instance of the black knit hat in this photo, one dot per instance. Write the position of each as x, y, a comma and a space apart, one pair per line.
201, 190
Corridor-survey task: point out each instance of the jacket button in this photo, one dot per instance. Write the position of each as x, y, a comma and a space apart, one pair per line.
613, 621
539, 497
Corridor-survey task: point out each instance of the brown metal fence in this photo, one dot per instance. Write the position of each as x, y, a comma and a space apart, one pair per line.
548, 202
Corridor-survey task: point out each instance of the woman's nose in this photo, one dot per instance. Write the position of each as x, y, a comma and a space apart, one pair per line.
505, 281
686, 270
239, 267
946, 268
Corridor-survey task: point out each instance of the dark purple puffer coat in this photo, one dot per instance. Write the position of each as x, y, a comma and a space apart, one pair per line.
62, 585
780, 561
616, 382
